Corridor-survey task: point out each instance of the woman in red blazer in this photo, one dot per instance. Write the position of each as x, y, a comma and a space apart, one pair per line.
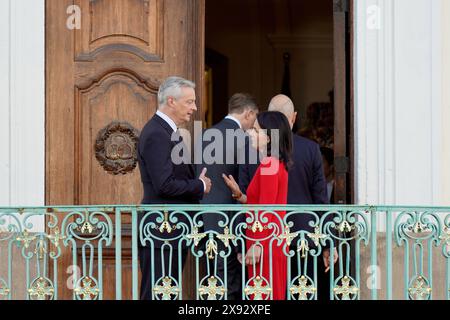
269, 186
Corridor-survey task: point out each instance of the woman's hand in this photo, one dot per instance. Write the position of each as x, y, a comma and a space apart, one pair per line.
253, 255
232, 185
327, 256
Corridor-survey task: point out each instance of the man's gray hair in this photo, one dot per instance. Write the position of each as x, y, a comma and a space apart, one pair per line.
171, 87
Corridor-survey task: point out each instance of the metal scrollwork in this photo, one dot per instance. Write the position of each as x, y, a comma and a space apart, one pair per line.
346, 290
4, 290
303, 289
212, 290
166, 290
87, 227
41, 289
214, 234
260, 286
87, 289
419, 289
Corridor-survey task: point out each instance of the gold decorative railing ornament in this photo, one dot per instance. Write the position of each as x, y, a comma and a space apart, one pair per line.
56, 237
317, 236
166, 290
445, 236
211, 249
25, 238
258, 289
41, 288
288, 236
303, 248
419, 289
86, 228
226, 237
196, 236
419, 227
45, 252
166, 225
88, 290
212, 290
345, 290
345, 226
302, 289
40, 250
257, 226
4, 290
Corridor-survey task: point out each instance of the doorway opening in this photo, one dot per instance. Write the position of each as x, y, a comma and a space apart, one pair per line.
283, 46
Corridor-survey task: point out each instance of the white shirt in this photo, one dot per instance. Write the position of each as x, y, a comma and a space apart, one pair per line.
330, 186
234, 119
167, 119
172, 124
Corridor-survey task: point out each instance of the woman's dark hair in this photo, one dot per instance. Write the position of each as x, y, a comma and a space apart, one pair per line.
274, 120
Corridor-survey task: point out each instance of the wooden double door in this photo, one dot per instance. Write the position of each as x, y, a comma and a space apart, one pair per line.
105, 60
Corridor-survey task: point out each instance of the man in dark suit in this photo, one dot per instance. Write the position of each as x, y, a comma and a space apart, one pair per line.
165, 182
306, 185
242, 111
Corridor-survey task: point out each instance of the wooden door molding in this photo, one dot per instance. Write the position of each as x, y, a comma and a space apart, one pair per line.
343, 100
90, 119
141, 35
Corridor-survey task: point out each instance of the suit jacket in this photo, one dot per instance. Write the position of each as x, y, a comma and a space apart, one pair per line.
220, 193
306, 182
165, 182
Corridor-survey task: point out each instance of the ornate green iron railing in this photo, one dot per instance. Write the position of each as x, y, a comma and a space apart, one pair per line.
382, 250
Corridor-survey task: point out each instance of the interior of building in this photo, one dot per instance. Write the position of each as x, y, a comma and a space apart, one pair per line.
267, 47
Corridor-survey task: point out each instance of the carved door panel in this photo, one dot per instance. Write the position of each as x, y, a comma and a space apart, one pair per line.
101, 89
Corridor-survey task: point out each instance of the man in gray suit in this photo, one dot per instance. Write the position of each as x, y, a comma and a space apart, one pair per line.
242, 112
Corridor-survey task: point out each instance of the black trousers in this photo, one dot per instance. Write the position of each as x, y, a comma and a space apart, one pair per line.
148, 266
234, 275
323, 279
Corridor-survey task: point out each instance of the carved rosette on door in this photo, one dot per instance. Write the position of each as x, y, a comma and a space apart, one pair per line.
116, 148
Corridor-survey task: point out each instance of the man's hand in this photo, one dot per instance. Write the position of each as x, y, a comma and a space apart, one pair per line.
206, 180
253, 255
326, 258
